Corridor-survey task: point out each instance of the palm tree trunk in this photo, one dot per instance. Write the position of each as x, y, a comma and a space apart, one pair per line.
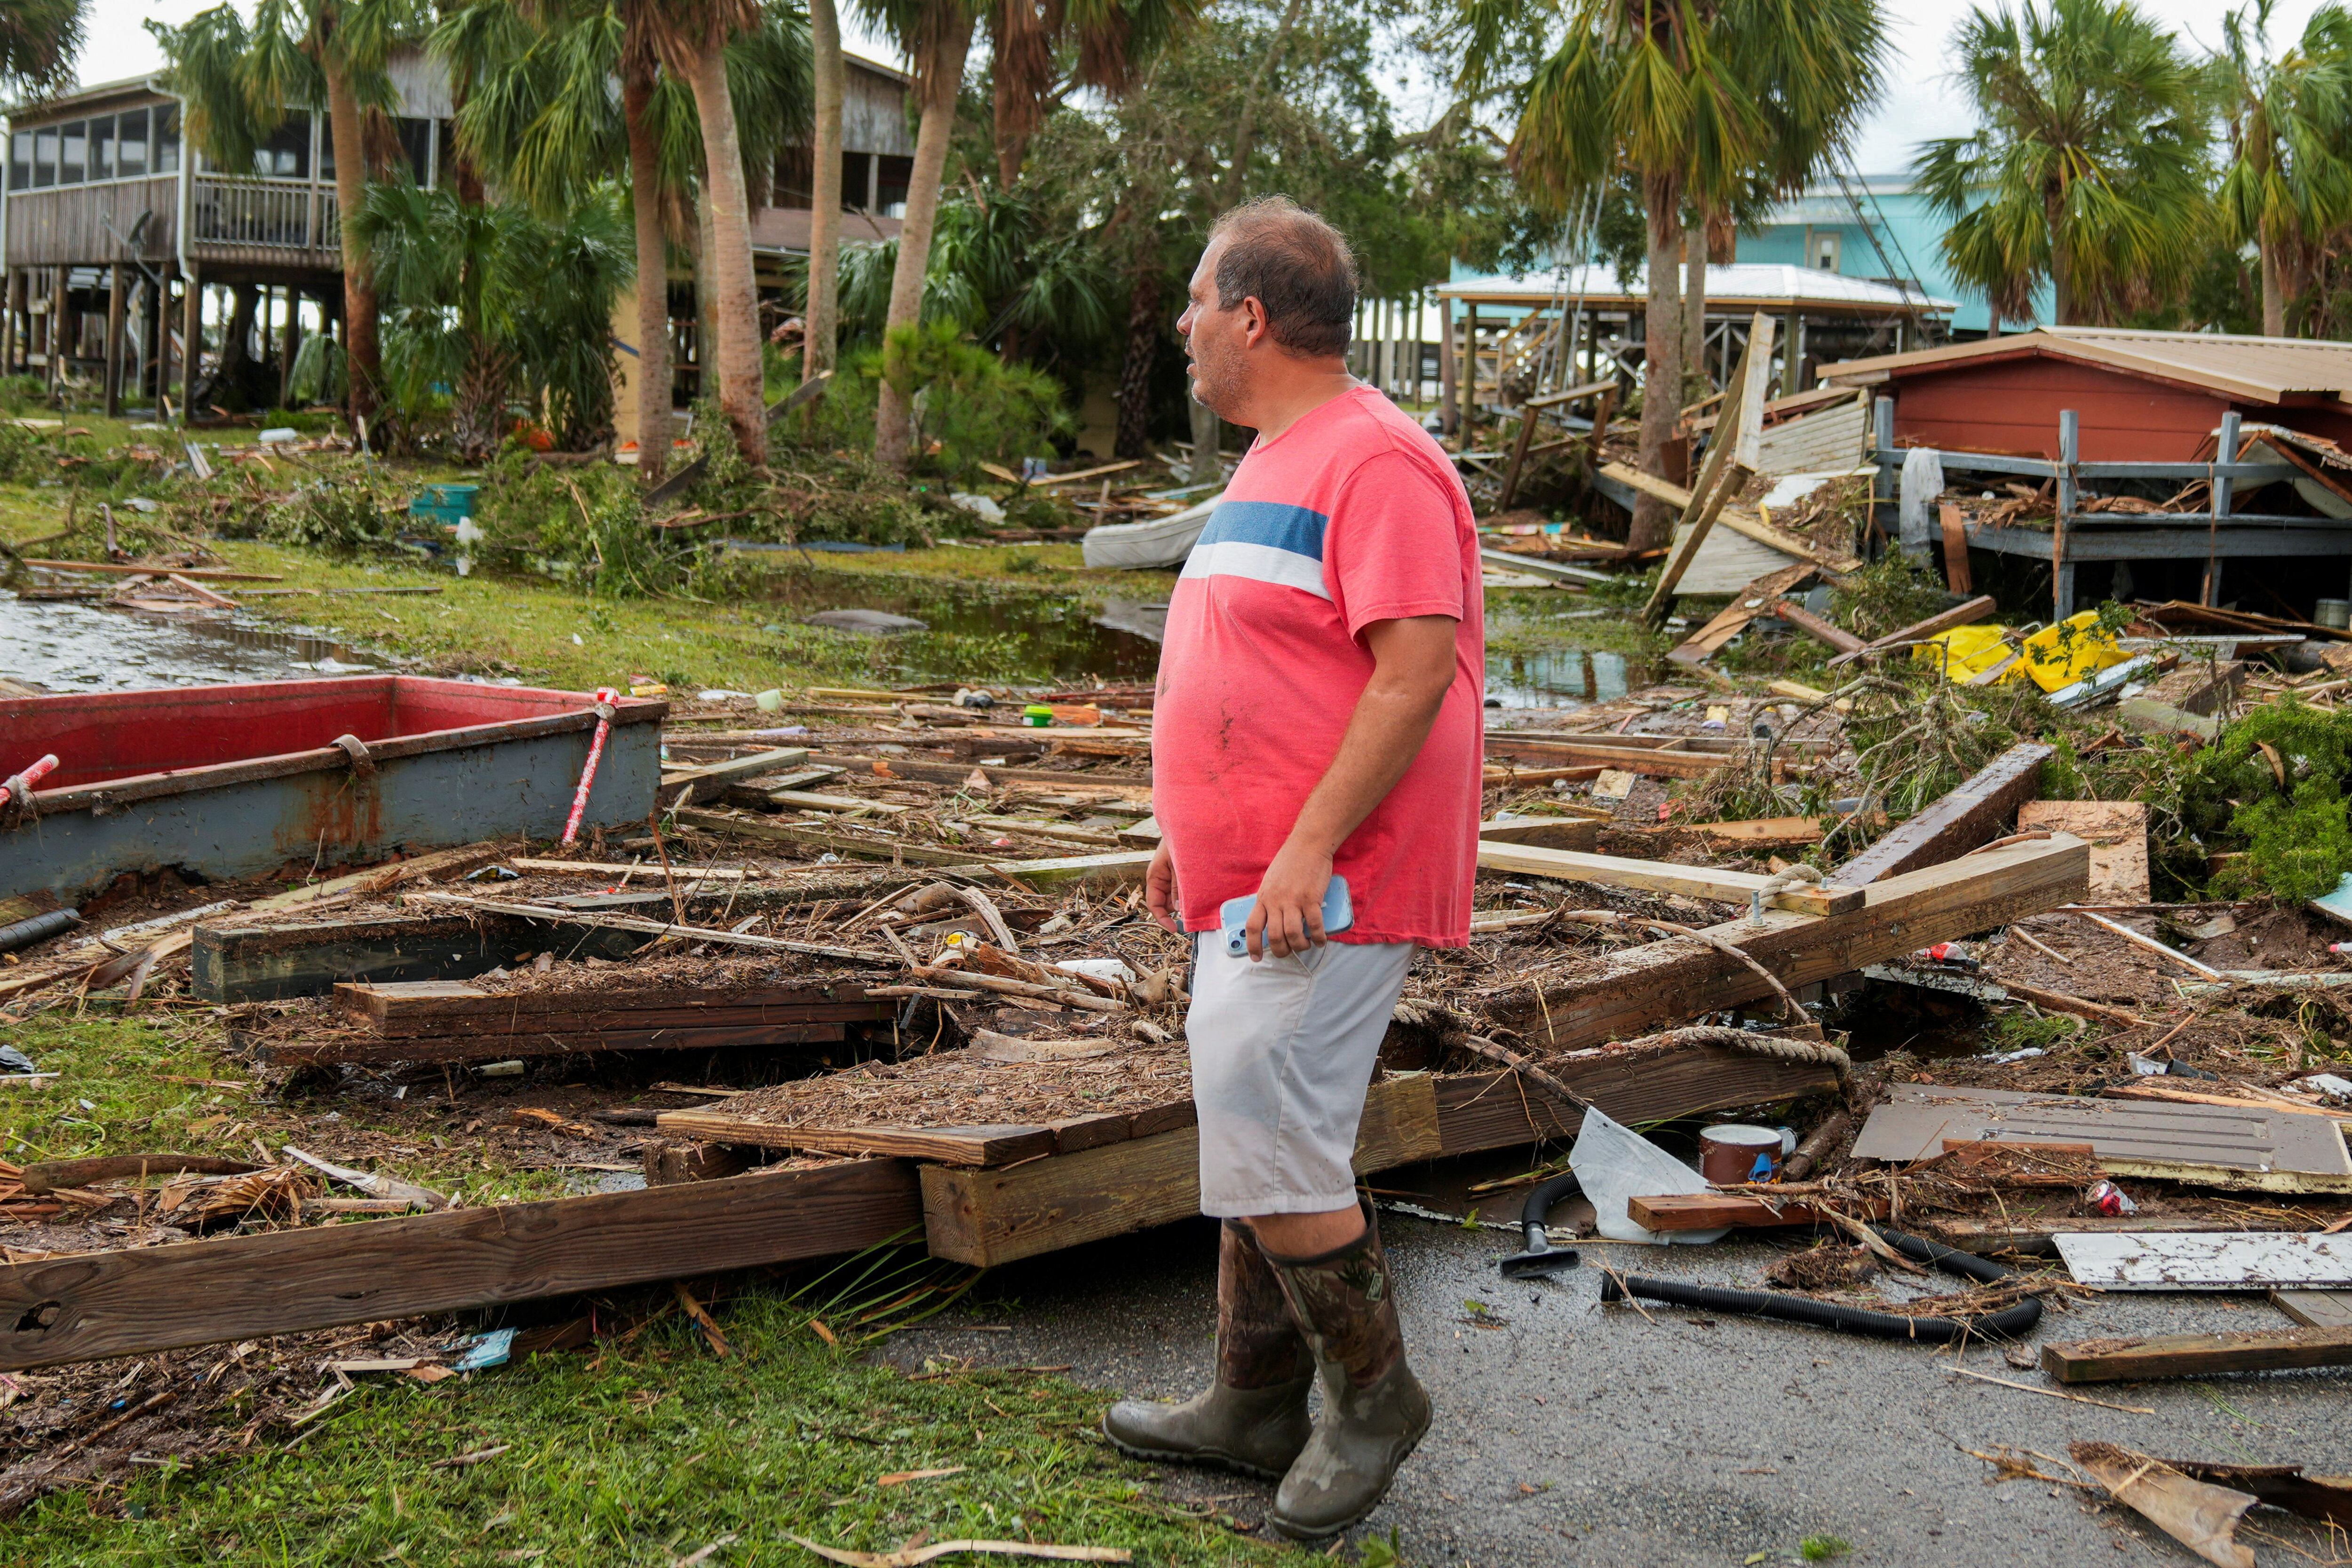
2062, 264
822, 313
2273, 289
736, 288
1135, 372
1661, 344
894, 421
654, 372
1695, 371
363, 355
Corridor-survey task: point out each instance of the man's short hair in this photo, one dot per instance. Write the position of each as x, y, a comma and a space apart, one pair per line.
1297, 266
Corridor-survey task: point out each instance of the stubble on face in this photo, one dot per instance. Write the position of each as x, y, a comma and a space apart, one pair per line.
1219, 360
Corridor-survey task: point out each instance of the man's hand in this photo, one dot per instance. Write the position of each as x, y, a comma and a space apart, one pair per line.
1159, 890
1288, 915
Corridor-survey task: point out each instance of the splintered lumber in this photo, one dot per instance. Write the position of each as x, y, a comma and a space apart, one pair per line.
664, 928
1661, 876
1718, 477
86, 1306
1712, 1210
2196, 1355
1118, 870
1732, 517
1479, 1111
989, 1216
264, 963
1971, 815
1137, 789
2117, 832
2257, 1147
818, 839
1817, 627
321, 1049
1974, 610
1755, 599
1654, 757
1630, 992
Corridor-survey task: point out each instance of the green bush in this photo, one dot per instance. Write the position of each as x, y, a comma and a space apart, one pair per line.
352, 514
18, 393
584, 525
970, 406
2275, 782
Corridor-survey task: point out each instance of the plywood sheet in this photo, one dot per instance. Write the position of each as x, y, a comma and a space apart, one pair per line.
2117, 832
1727, 562
2217, 1261
2275, 1151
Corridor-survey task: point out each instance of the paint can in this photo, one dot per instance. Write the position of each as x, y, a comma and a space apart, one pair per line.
2333, 613
1731, 1151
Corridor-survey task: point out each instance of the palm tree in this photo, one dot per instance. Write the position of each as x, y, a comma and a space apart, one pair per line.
540, 113
1692, 101
936, 36
39, 41
240, 82
1112, 39
691, 37
821, 311
2290, 119
2088, 168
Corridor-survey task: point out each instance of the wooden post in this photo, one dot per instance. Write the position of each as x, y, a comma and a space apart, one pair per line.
10, 307
1449, 419
1719, 475
58, 328
2062, 570
1882, 452
1467, 372
192, 343
1792, 372
2223, 498
114, 303
293, 341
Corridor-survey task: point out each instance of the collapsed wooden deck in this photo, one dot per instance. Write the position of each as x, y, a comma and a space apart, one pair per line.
1042, 1188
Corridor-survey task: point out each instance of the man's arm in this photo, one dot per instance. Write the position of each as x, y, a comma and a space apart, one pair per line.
1413, 667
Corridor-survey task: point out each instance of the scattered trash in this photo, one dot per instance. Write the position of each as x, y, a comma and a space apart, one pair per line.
2107, 1198
1613, 1164
482, 1352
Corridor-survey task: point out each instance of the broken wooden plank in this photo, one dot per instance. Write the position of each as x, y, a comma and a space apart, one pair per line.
988, 1217
1818, 627
444, 1006
86, 1306
1954, 528
1586, 751
1712, 1210
1479, 1111
2312, 1308
2119, 1360
1719, 475
1121, 869
1662, 876
1732, 517
2260, 1149
1578, 833
264, 963
1754, 601
994, 1145
1967, 615
708, 781
1971, 815
323, 1048
896, 851
1135, 789
1632, 992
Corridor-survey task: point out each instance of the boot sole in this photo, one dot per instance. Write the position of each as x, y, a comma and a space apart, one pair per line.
1210, 1458
1291, 1531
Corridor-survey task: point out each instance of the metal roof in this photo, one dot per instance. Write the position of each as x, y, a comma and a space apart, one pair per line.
2249, 369
1740, 286
59, 103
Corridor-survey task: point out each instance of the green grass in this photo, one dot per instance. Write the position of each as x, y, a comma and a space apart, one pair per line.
155, 1080
644, 1452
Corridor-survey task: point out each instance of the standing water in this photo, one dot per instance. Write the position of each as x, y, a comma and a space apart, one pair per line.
72, 647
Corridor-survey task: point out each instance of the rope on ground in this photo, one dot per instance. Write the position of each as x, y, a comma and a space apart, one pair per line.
1818, 1053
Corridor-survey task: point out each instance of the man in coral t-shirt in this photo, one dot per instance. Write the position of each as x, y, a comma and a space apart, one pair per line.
1318, 713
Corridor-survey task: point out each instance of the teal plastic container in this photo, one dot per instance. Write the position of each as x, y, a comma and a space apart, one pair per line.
446, 504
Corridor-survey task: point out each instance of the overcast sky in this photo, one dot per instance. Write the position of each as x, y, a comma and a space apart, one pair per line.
1920, 101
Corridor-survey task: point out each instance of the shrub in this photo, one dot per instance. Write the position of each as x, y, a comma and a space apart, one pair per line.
970, 406
586, 526
353, 513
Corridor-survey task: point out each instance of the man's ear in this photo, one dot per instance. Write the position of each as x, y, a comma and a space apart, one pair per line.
1255, 326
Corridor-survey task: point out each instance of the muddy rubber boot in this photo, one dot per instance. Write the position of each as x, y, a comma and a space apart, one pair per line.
1252, 1417
1375, 1410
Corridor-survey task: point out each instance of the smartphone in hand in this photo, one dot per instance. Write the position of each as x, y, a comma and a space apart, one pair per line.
1233, 917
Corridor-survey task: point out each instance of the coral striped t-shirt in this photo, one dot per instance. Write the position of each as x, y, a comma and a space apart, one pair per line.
1351, 516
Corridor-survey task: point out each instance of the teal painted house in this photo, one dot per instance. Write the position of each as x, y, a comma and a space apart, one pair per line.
1873, 227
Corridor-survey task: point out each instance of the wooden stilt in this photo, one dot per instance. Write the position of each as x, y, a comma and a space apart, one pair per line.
114, 281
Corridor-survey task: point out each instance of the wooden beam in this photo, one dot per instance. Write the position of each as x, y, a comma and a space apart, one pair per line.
85, 1306
981, 1145
1122, 868
1718, 477
896, 851
989, 1216
308, 958
1630, 992
1971, 815
1815, 627
1661, 876
1478, 1111
1732, 517
352, 1045
1709, 1210
1548, 833
1755, 599
2196, 1355
688, 786
1967, 614
956, 772
1551, 751
432, 1008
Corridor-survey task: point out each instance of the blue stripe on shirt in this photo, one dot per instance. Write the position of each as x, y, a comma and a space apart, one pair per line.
1273, 524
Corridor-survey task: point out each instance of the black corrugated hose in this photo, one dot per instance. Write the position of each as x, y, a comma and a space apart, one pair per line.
2010, 1323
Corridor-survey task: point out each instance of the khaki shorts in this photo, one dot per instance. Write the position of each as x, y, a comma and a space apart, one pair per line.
1283, 1050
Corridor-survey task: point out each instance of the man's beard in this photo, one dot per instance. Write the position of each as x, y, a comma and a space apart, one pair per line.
1219, 381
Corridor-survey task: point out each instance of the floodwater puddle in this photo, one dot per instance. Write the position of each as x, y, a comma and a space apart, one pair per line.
75, 647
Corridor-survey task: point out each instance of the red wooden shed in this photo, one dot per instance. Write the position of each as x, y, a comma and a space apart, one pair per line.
2152, 397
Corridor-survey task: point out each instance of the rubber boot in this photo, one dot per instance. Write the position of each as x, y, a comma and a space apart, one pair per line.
1375, 1410
1252, 1417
